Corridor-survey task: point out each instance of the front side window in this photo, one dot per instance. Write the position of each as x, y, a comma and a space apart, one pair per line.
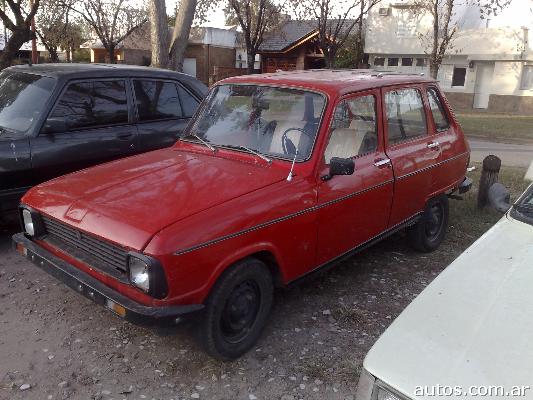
156, 100
189, 104
22, 99
91, 104
278, 122
353, 131
437, 110
406, 118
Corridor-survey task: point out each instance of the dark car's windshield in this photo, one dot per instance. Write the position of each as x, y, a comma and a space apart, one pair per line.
278, 122
22, 99
523, 208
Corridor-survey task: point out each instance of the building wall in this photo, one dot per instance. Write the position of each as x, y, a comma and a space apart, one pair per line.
207, 57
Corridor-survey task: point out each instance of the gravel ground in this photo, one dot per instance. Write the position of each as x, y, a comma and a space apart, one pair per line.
55, 344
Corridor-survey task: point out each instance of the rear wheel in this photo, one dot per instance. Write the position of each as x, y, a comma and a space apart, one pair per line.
429, 232
237, 309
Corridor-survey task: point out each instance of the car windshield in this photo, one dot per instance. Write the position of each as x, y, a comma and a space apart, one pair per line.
276, 122
22, 99
523, 208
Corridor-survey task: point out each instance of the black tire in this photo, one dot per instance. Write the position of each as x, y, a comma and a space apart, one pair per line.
429, 232
237, 309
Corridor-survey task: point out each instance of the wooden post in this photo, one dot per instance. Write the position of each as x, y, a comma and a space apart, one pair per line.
489, 176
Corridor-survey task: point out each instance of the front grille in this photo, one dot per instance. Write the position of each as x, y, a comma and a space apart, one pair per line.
87, 248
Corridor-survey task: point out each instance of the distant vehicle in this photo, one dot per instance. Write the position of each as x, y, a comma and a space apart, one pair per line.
59, 118
277, 176
468, 334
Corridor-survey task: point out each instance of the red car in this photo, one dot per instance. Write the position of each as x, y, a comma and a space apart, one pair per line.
277, 176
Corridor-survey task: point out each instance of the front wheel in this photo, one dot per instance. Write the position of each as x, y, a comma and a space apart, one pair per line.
429, 232
237, 309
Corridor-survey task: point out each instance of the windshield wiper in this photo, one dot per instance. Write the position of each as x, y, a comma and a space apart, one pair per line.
203, 141
251, 151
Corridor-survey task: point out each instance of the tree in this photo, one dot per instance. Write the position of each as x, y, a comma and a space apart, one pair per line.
180, 34
112, 21
439, 39
18, 21
55, 28
335, 21
256, 19
159, 33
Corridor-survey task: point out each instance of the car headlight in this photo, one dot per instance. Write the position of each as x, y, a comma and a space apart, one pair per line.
139, 275
146, 273
384, 394
27, 221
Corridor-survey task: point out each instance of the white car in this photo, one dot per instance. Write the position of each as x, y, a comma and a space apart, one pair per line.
469, 334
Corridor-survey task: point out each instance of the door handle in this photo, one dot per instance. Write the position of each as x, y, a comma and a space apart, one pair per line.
382, 162
433, 145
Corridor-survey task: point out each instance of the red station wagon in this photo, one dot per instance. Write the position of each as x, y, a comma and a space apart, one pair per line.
277, 176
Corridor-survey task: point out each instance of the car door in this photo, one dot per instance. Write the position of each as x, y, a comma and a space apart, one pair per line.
353, 209
412, 150
91, 123
447, 136
15, 165
163, 110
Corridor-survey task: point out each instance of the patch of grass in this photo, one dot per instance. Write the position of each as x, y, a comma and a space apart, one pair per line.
349, 315
498, 127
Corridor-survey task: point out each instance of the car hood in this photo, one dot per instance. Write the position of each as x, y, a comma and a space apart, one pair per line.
129, 200
472, 326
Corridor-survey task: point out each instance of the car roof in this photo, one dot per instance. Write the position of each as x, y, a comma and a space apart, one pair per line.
67, 71
331, 80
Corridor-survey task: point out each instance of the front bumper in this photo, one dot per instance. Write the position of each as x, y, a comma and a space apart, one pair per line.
96, 291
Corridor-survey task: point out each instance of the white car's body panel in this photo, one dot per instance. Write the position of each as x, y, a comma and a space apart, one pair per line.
472, 326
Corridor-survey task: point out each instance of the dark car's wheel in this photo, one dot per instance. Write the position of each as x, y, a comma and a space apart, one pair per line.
237, 309
428, 233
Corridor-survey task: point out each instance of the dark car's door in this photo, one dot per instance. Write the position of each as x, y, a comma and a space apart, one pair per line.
15, 165
163, 109
91, 123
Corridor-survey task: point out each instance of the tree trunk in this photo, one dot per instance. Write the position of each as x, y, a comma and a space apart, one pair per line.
489, 176
180, 35
111, 54
159, 33
330, 60
15, 42
433, 69
250, 62
52, 53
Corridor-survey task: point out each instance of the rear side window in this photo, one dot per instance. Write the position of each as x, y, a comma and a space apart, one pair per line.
437, 110
188, 102
156, 100
406, 118
353, 131
90, 104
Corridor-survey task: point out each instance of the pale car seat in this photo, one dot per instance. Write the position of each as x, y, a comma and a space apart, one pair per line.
276, 145
346, 142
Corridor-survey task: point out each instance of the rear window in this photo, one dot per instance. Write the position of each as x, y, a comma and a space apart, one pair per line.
156, 100
91, 104
406, 118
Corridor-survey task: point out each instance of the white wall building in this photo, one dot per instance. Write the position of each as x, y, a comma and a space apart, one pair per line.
490, 62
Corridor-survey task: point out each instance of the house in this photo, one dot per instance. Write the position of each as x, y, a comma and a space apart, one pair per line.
210, 54
489, 65
293, 47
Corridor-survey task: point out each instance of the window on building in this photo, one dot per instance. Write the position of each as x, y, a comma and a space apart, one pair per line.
189, 104
420, 62
90, 104
354, 131
379, 61
406, 118
407, 62
459, 76
527, 77
392, 61
156, 100
437, 110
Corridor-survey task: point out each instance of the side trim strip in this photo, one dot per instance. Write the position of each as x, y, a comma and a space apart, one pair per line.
329, 264
281, 219
432, 166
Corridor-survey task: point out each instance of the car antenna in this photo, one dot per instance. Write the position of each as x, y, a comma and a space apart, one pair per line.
289, 177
